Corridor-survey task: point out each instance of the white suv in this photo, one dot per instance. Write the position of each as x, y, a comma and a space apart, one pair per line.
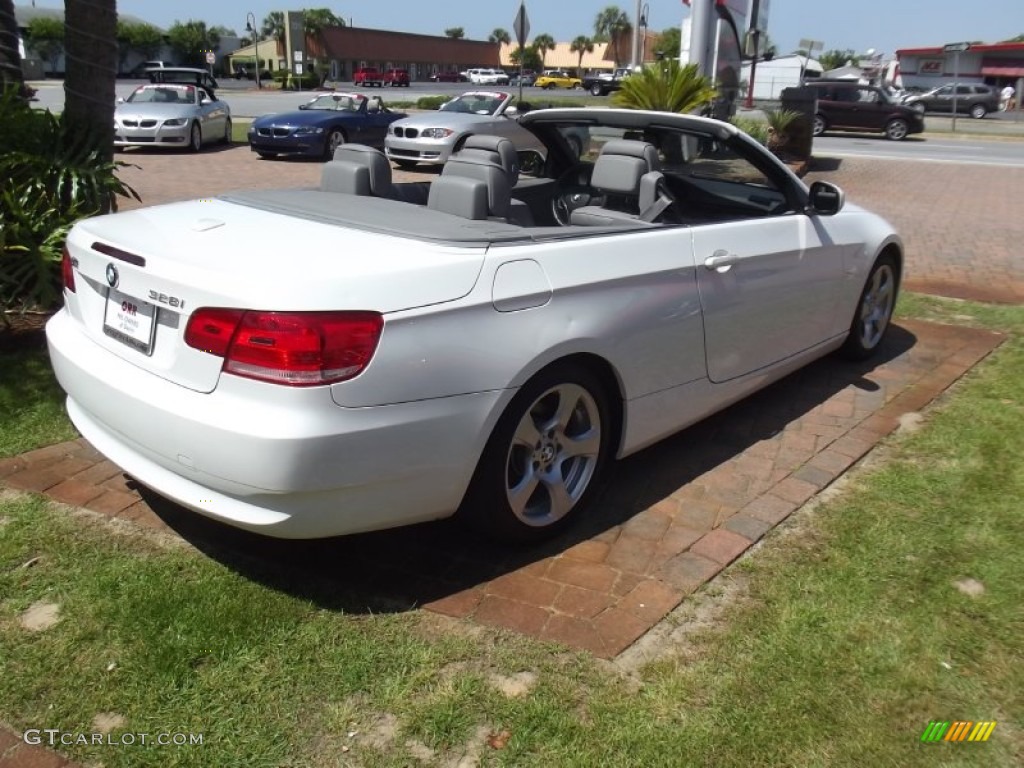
487, 76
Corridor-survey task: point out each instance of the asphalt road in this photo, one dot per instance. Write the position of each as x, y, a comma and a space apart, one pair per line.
972, 150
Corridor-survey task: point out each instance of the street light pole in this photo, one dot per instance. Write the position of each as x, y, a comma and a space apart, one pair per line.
636, 36
250, 26
644, 12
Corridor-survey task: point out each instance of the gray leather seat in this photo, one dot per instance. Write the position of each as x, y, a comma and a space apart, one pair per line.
357, 170
494, 161
627, 175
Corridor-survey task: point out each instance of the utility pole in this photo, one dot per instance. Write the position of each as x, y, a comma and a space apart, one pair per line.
755, 34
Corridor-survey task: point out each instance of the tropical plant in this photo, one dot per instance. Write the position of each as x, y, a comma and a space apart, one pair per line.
835, 59
499, 35
580, 45
756, 129
779, 122
192, 40
610, 25
46, 36
134, 37
54, 174
455, 33
10, 59
666, 88
273, 26
315, 21
542, 44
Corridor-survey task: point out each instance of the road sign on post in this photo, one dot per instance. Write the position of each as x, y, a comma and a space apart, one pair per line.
521, 26
956, 47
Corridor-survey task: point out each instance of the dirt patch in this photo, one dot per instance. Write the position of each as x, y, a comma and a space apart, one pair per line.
515, 686
40, 616
105, 722
970, 587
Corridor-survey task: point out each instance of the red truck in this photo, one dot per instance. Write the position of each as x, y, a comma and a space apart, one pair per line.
368, 76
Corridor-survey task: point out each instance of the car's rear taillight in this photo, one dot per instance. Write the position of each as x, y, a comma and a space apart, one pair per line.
292, 348
67, 270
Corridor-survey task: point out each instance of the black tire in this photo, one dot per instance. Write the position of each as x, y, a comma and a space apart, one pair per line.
334, 139
195, 138
227, 130
897, 129
978, 111
596, 90
873, 315
549, 86
544, 460
267, 155
819, 126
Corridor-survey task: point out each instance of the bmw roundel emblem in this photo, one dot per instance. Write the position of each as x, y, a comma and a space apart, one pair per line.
112, 276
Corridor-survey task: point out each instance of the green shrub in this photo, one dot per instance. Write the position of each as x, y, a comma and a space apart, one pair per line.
431, 102
304, 81
756, 129
52, 177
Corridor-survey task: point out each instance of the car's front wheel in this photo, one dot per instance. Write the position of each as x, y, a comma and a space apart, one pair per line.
595, 90
195, 141
227, 130
335, 139
548, 86
978, 111
897, 130
544, 459
819, 125
874, 310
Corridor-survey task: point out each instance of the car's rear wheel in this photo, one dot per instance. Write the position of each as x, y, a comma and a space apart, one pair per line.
577, 86
595, 90
227, 130
819, 125
978, 111
874, 310
335, 139
544, 459
195, 142
897, 129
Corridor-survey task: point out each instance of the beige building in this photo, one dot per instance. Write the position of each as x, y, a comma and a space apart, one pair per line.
270, 57
601, 59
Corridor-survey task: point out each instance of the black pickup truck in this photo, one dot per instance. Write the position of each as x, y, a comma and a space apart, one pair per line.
606, 82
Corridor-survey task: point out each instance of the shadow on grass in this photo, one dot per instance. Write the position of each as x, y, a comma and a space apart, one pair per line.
404, 568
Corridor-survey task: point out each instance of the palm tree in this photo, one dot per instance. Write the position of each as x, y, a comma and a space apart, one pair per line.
10, 60
455, 33
580, 45
611, 24
500, 35
273, 26
669, 88
315, 21
91, 44
543, 43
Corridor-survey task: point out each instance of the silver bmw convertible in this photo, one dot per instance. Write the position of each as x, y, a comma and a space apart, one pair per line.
171, 115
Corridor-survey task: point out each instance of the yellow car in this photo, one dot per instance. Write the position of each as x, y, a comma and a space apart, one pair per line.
555, 78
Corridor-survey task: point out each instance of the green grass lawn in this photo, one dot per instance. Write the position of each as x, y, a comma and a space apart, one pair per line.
833, 644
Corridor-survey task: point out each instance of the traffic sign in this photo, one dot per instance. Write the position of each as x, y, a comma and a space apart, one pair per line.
211, 57
956, 47
521, 25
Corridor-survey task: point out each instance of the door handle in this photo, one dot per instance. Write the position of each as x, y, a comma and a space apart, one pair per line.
721, 260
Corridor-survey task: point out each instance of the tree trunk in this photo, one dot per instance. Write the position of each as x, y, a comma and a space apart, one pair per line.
90, 42
10, 60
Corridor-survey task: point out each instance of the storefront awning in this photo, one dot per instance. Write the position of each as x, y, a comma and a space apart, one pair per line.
996, 67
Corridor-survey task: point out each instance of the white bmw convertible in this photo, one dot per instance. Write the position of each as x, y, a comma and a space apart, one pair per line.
366, 354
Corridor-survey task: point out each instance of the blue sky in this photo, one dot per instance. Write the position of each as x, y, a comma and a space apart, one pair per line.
884, 25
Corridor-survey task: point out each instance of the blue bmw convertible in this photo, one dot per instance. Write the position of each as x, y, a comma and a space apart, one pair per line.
322, 125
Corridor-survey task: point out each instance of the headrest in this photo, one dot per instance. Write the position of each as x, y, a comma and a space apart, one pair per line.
459, 196
505, 150
483, 166
638, 149
374, 160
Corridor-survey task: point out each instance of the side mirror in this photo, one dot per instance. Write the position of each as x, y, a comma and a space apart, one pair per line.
303, 106
826, 199
511, 112
205, 100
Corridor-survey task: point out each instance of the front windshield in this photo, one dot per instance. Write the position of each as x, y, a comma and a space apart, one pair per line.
476, 103
163, 94
337, 102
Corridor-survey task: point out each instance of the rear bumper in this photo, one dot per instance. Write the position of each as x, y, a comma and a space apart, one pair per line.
285, 462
